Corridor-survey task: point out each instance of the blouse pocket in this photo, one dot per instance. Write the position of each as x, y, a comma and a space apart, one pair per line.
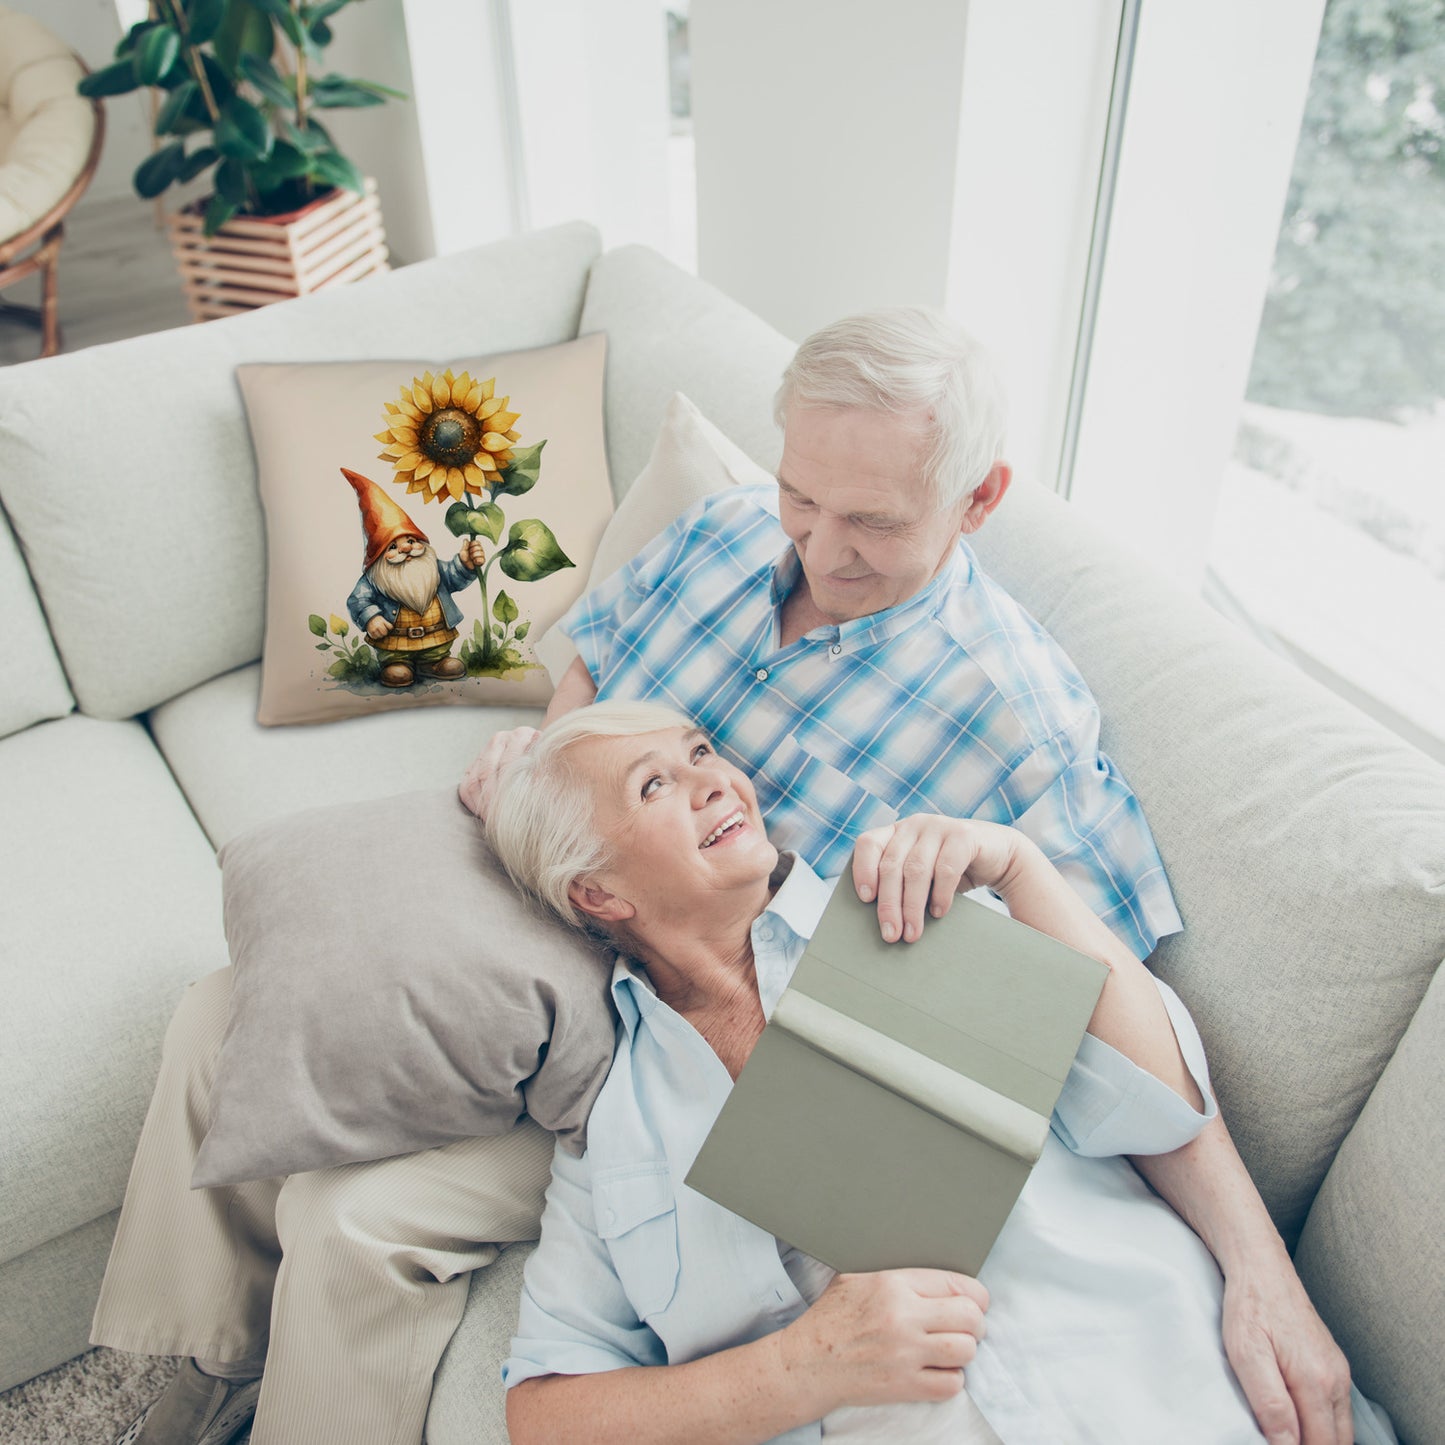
637, 1217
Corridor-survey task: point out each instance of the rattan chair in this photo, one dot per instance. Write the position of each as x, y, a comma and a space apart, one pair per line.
50, 139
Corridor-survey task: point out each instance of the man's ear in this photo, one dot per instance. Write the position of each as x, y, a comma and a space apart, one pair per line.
596, 902
986, 496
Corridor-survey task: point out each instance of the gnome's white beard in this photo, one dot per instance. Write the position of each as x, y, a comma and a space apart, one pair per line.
412, 583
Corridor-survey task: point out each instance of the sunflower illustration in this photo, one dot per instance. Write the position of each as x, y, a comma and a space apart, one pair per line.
447, 435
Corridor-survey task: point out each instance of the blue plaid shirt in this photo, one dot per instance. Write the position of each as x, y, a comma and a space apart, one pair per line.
954, 702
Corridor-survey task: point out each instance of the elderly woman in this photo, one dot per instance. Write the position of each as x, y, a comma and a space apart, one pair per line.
653, 1314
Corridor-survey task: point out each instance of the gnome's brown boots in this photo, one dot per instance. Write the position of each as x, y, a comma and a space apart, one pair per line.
397, 674
444, 667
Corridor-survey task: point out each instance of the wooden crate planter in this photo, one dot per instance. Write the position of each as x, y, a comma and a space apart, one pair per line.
255, 260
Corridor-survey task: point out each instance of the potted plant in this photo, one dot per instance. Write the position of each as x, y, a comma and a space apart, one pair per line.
240, 84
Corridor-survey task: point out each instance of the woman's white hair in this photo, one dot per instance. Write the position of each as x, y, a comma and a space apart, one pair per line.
542, 821
908, 360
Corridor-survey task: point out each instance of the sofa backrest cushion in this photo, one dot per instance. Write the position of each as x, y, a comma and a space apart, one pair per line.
1373, 1250
37, 689
128, 472
669, 332
1302, 841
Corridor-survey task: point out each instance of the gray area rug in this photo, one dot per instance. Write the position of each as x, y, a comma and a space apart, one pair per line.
86, 1402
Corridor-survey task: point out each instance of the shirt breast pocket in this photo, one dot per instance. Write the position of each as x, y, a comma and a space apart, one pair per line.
817, 810
636, 1213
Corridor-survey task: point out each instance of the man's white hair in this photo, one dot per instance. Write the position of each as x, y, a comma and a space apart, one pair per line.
542, 821
908, 360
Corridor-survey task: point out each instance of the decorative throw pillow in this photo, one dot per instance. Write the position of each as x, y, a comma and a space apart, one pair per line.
691, 459
359, 1031
424, 524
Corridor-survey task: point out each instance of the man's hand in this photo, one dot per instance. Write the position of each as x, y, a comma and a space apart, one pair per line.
479, 781
471, 554
377, 628
917, 865
1295, 1377
900, 1334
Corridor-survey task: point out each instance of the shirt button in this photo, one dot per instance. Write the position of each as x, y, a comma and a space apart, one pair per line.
836, 648
761, 674
765, 933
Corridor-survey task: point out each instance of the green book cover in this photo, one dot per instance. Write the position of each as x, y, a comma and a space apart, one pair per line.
900, 1094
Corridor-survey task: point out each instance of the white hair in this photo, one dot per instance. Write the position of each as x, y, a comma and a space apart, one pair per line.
542, 821
908, 360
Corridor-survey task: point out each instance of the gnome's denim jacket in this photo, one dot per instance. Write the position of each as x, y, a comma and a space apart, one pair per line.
365, 601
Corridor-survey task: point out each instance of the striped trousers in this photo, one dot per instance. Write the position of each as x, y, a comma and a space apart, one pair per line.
348, 1281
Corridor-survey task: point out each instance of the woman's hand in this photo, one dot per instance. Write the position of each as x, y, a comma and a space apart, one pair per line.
897, 1335
918, 864
479, 780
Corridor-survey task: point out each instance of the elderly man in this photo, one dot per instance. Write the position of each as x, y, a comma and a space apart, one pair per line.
838, 640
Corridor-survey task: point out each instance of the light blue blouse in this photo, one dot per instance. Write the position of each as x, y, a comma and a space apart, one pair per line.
1105, 1316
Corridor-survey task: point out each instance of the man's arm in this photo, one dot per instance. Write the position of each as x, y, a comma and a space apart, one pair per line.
1295, 1377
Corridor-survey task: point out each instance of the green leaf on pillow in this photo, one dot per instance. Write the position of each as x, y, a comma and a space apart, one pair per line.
504, 609
523, 473
484, 521
532, 552
339, 668
317, 624
522, 630
323, 647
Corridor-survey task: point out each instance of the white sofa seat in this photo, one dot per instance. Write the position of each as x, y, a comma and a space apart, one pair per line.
236, 774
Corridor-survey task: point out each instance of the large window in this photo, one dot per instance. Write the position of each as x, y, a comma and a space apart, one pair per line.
1330, 528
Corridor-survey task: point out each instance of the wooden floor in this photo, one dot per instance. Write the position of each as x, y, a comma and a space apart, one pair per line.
117, 279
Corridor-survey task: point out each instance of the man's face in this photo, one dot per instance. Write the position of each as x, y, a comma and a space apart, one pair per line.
852, 499
404, 549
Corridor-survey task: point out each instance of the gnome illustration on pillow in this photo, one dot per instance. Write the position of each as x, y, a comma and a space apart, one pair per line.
403, 601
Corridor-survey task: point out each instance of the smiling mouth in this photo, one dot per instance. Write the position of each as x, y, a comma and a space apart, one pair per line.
726, 826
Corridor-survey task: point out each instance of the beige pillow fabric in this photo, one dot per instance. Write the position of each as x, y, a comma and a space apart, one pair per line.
354, 456
372, 1017
691, 459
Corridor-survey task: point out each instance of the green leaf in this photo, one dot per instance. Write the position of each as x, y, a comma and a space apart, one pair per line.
218, 212
504, 609
157, 52
157, 171
203, 19
484, 521
524, 471
510, 658
339, 668
323, 647
128, 42
317, 624
532, 552
333, 168
242, 132
221, 83
244, 31
175, 106
322, 11
320, 36
287, 163
231, 182
479, 632
117, 79
285, 17
197, 161
333, 92
498, 631
278, 89
378, 88
523, 628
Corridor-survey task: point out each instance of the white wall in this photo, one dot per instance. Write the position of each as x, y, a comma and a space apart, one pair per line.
827, 143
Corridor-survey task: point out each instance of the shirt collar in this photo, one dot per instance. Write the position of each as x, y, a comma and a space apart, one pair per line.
779, 933
878, 626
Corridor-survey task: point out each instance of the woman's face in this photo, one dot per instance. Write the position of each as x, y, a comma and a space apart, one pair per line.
681, 823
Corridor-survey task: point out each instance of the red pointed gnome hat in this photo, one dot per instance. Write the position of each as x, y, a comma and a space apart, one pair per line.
381, 519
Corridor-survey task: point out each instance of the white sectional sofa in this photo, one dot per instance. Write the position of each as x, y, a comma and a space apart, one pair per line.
1305, 845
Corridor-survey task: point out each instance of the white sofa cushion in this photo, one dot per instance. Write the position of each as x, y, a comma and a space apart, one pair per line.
237, 774
37, 689
669, 332
99, 448
112, 905
1301, 840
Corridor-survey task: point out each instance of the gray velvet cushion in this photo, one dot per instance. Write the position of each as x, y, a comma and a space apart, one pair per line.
393, 993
